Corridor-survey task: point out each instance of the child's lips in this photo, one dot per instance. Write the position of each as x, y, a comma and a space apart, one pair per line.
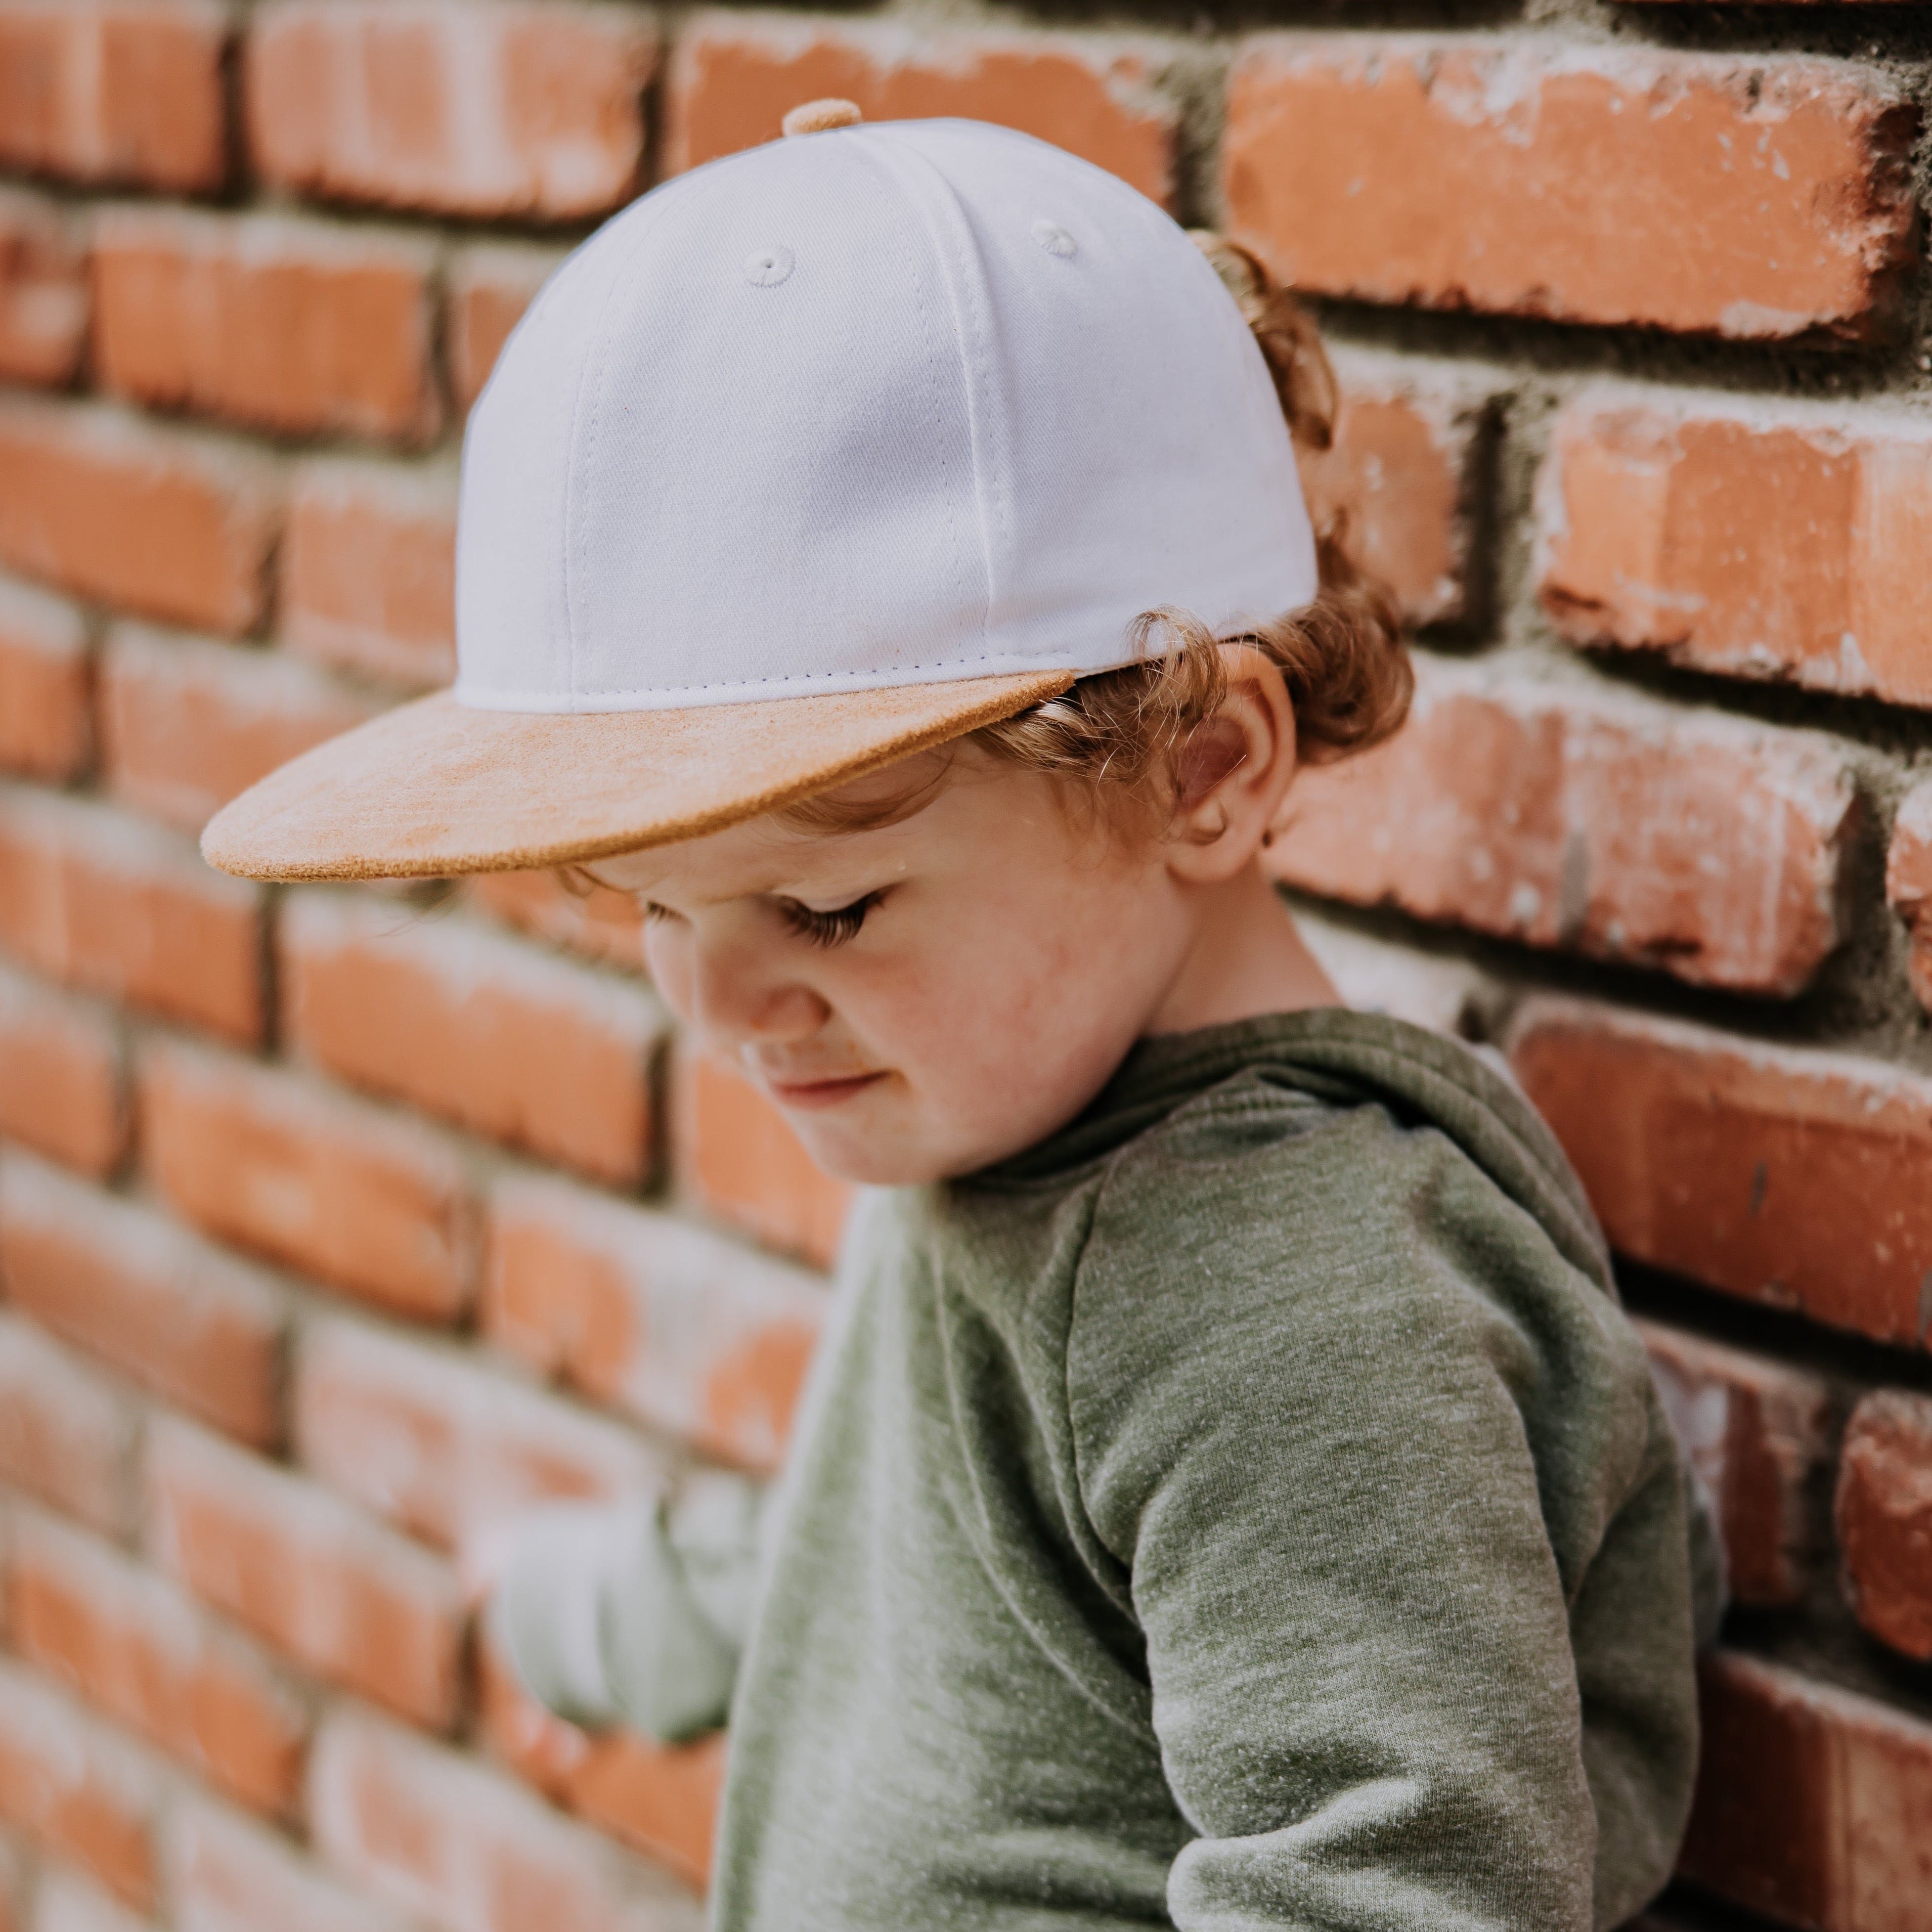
820, 1093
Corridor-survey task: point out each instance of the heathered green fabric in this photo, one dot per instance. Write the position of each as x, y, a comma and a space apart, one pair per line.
1248, 1509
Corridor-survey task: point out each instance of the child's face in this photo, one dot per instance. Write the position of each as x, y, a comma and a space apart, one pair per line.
928, 997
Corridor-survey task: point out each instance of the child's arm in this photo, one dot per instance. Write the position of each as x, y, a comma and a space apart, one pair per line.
1402, 1527
633, 1613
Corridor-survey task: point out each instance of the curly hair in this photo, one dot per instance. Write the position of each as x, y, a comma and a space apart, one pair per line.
1114, 735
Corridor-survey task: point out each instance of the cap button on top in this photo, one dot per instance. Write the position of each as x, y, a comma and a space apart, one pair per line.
815, 117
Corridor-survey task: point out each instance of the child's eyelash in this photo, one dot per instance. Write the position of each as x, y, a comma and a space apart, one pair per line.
827, 928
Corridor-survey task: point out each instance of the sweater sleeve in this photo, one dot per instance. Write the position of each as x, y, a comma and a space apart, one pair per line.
633, 1613
1358, 1437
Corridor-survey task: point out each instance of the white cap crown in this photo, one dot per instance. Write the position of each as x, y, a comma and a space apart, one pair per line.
874, 406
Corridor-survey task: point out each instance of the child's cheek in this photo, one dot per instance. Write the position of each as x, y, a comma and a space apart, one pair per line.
667, 956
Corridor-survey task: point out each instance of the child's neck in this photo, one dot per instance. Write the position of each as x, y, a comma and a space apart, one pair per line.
1247, 959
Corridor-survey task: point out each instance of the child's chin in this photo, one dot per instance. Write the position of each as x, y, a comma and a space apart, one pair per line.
876, 1159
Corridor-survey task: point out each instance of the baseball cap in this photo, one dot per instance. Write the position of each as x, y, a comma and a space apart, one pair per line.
816, 456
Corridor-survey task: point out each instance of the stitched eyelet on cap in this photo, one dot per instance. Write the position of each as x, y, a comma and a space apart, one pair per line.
765, 267
1055, 239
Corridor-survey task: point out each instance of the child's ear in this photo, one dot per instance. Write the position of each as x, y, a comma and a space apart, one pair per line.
1232, 773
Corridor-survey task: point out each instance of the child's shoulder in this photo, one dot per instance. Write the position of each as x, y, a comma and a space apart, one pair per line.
1351, 1188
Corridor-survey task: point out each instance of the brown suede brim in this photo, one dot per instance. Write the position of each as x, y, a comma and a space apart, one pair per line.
432, 788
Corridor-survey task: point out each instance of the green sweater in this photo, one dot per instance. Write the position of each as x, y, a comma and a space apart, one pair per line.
1246, 1509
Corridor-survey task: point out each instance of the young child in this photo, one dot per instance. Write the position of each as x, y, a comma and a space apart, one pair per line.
1228, 1494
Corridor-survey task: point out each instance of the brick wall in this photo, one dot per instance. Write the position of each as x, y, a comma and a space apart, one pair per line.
334, 1226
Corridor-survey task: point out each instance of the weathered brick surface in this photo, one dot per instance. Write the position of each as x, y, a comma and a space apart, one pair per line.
465, 1849
1814, 1804
738, 1158
114, 90
470, 1023
187, 723
479, 107
63, 1080
66, 1437
686, 1330
662, 1799
1405, 472
1758, 1432
357, 1603
273, 1161
1760, 539
1565, 815
136, 1649
441, 1445
44, 305
46, 729
732, 77
1884, 1518
1793, 1176
292, 324
1758, 198
490, 284
368, 570
79, 1788
601, 925
1908, 882
156, 520
101, 901
135, 1289
227, 1874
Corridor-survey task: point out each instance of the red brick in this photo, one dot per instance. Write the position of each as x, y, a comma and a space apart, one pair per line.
1884, 1518
159, 520
466, 1850
441, 1445
736, 1157
63, 1075
1814, 1804
290, 324
187, 723
481, 1028
80, 1788
359, 1605
64, 1903
92, 897
1781, 1174
487, 107
369, 570
1761, 197
1404, 471
1565, 815
1756, 539
65, 1436
177, 1316
134, 1647
45, 673
661, 1799
732, 77
683, 1328
601, 925
1908, 881
227, 1874
489, 285
114, 90
367, 1200
43, 286
1758, 1433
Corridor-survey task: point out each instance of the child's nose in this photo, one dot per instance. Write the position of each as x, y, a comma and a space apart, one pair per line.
734, 1000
